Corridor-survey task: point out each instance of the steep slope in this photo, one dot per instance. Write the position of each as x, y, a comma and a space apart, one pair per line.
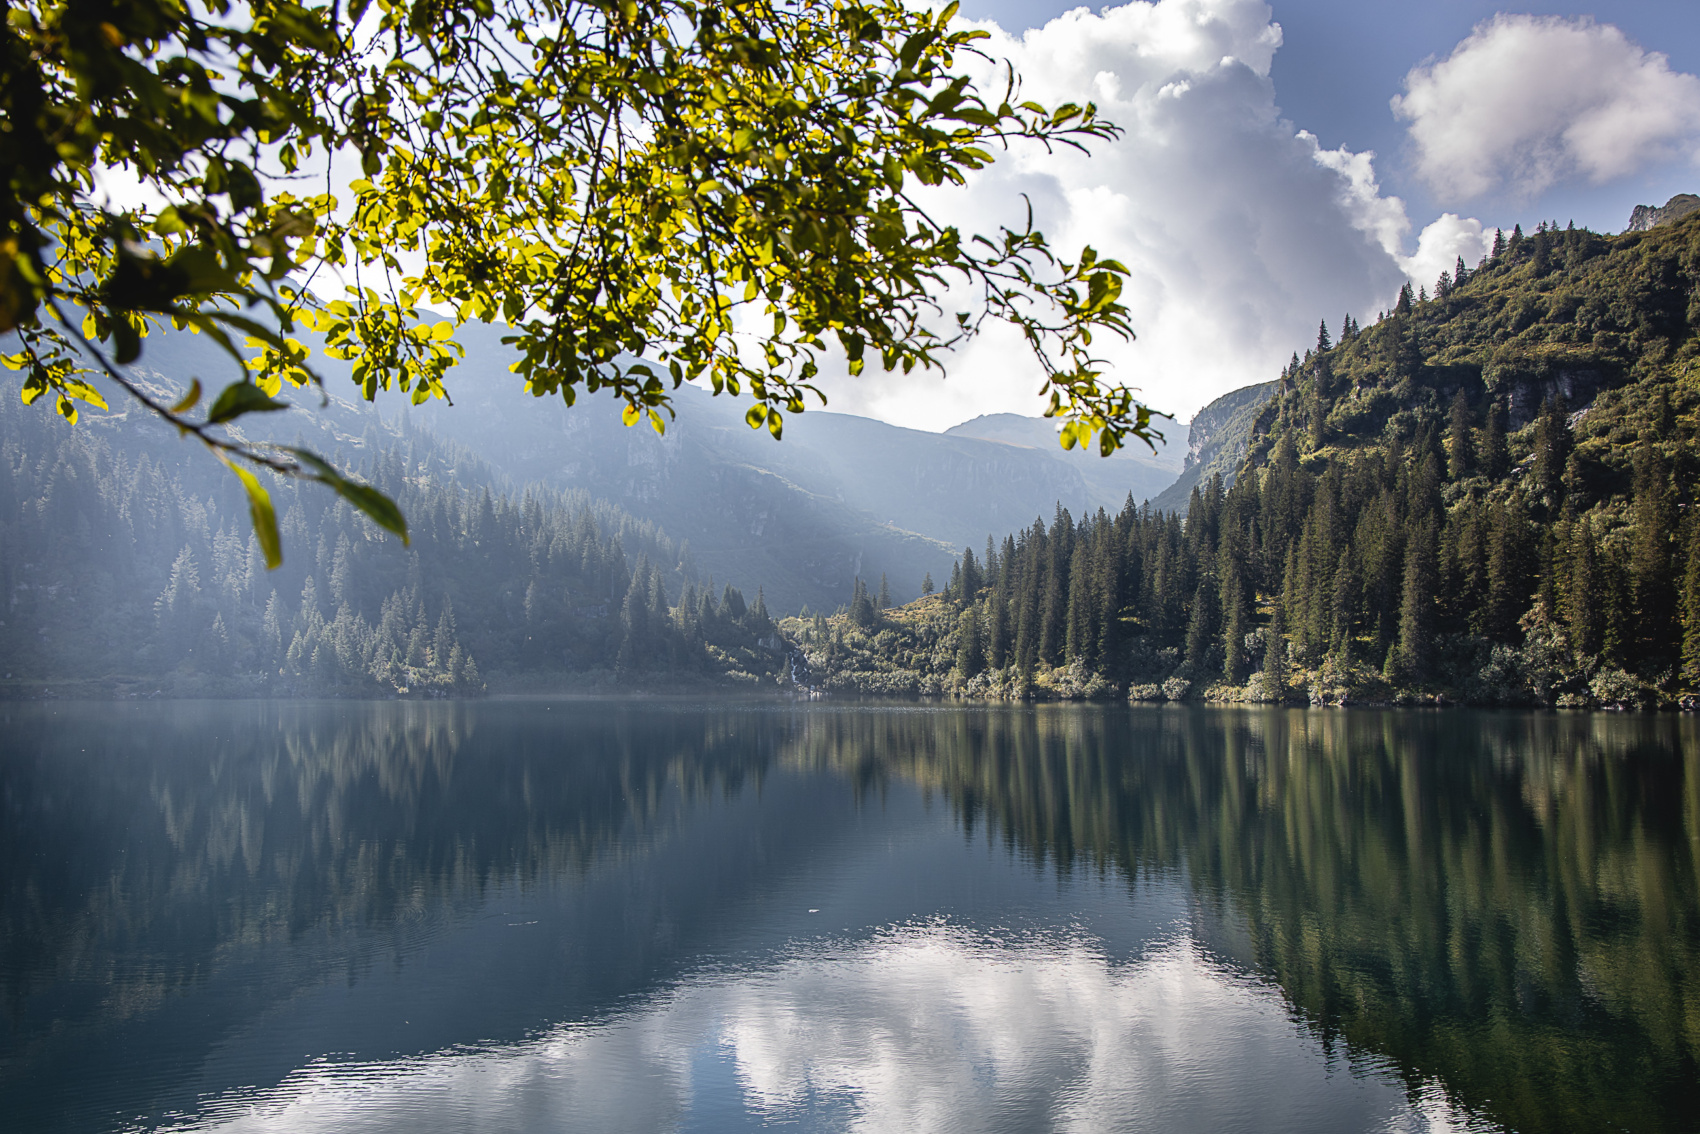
1216, 444
1134, 470
841, 497
1492, 495
128, 565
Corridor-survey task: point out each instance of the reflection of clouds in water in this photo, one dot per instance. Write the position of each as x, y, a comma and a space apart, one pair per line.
923, 1028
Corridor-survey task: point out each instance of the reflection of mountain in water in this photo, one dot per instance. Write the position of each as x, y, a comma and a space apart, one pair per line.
1504, 903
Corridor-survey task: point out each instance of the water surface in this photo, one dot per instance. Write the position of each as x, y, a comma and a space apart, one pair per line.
699, 917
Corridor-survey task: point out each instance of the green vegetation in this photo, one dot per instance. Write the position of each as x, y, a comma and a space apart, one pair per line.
130, 569
1501, 904
611, 180
1488, 496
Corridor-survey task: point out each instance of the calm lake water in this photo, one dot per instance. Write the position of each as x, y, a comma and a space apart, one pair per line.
646, 916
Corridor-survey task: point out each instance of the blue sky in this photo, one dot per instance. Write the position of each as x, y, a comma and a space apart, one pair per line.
1267, 179
1341, 62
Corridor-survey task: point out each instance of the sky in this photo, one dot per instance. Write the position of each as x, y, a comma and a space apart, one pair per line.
1299, 160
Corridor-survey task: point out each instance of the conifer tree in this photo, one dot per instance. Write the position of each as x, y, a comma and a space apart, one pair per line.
1275, 656
1416, 604
972, 577
862, 611
885, 593
1510, 580
997, 643
927, 584
1233, 638
1495, 454
1583, 597
1460, 451
1655, 583
1691, 611
1553, 442
1202, 629
970, 649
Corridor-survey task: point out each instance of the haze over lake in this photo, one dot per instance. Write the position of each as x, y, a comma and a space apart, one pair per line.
677, 915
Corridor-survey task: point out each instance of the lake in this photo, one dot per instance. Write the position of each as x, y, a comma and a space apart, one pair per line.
719, 916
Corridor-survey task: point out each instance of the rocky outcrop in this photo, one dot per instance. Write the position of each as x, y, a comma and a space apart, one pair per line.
1646, 216
1216, 443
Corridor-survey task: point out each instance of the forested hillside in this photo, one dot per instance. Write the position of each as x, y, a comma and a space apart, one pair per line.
1487, 495
129, 567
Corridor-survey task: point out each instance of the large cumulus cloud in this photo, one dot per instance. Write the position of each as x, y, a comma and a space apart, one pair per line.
1240, 231
1528, 101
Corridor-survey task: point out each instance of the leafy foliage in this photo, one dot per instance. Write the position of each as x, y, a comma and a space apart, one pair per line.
724, 189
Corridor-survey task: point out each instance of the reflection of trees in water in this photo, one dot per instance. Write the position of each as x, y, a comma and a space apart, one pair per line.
1506, 902
222, 825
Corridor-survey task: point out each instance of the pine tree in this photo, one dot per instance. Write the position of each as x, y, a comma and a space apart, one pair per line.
1275, 680
927, 584
1416, 605
970, 649
1202, 629
1691, 611
1510, 578
1323, 342
1495, 454
1460, 452
997, 631
1583, 597
862, 611
1655, 583
1553, 443
885, 593
972, 578
1233, 637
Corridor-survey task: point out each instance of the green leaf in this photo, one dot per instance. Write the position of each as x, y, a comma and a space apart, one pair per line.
190, 399
380, 508
127, 342
239, 398
261, 512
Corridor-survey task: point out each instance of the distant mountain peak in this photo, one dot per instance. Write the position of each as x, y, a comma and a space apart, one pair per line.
1646, 216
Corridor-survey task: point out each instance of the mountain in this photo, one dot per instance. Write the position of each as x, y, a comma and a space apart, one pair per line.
1645, 217
1216, 444
130, 567
1134, 469
1491, 495
840, 497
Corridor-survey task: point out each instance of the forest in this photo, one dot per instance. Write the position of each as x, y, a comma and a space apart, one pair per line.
1487, 496
131, 570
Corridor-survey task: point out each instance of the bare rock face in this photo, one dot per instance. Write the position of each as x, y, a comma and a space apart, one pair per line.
1646, 216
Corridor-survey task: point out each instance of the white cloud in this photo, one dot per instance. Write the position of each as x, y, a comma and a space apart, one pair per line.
1442, 244
1528, 101
1239, 230
924, 1028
